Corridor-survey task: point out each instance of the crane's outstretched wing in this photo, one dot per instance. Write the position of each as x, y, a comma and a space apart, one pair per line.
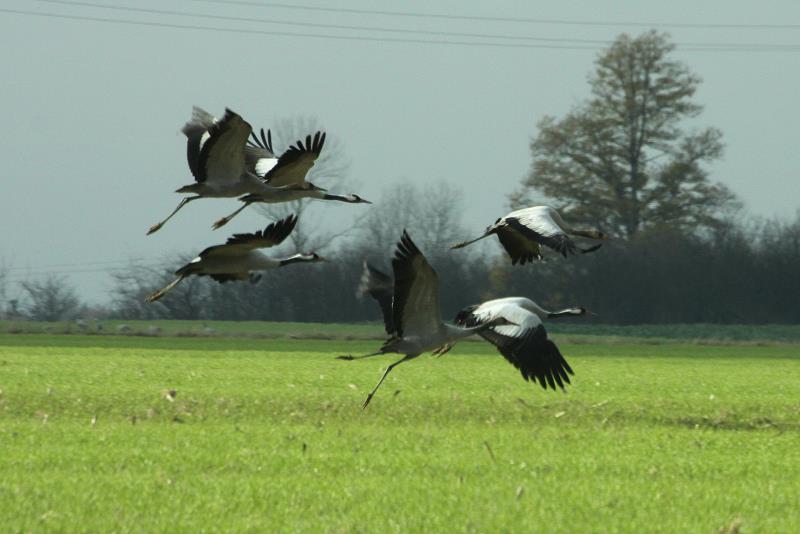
196, 132
379, 286
221, 156
524, 343
537, 225
415, 304
520, 249
238, 244
258, 154
294, 164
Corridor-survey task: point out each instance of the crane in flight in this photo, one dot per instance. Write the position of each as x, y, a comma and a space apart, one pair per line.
523, 342
523, 232
239, 258
286, 173
215, 152
416, 323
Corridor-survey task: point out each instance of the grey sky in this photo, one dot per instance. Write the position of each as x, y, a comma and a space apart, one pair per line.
92, 151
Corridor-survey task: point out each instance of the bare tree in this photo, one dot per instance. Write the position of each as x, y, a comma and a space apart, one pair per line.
432, 214
50, 299
330, 170
134, 283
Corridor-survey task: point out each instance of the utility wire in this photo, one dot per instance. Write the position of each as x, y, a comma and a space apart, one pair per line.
565, 22
776, 48
379, 28
286, 34
320, 25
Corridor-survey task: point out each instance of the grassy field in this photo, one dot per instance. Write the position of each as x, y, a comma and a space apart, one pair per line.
267, 434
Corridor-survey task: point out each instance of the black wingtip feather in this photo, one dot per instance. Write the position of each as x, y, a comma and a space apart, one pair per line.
264, 141
380, 287
406, 247
310, 146
277, 231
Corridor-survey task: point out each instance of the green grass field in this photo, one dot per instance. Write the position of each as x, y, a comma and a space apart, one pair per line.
267, 434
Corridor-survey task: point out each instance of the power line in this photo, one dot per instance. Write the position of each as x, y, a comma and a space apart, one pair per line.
713, 48
321, 25
385, 29
287, 34
565, 22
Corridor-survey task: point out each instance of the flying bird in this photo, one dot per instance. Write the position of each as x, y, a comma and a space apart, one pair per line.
215, 151
523, 232
238, 258
523, 342
288, 172
416, 324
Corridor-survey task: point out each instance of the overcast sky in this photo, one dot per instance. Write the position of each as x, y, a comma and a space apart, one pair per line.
92, 150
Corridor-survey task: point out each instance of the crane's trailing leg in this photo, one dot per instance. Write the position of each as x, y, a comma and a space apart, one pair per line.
163, 291
444, 349
225, 220
465, 243
590, 249
348, 357
156, 227
388, 369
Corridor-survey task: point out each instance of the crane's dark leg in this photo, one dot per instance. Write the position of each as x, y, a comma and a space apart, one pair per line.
349, 357
163, 291
444, 349
590, 249
465, 243
388, 369
225, 220
156, 227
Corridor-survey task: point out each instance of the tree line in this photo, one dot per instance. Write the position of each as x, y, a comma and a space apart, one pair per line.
734, 273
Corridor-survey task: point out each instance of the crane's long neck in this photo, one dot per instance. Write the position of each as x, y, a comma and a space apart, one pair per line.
560, 222
583, 232
547, 314
567, 312
258, 261
538, 310
297, 258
